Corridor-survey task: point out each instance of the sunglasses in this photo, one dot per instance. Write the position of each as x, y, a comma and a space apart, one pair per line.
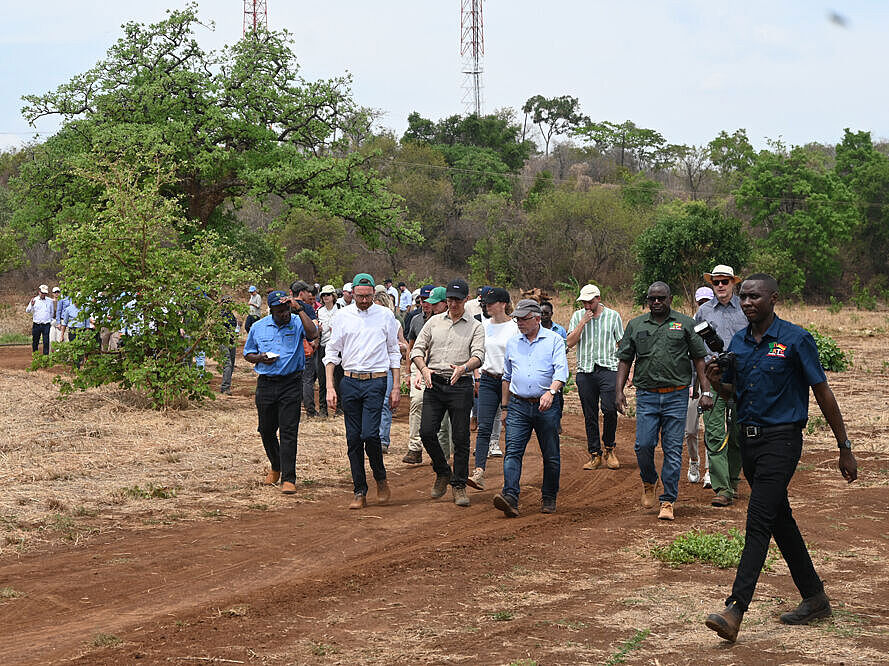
657, 299
721, 282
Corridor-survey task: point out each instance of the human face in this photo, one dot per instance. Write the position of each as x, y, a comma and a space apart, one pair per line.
756, 301
456, 306
659, 301
723, 286
497, 308
281, 313
327, 300
546, 315
364, 296
593, 304
438, 308
427, 309
347, 297
528, 325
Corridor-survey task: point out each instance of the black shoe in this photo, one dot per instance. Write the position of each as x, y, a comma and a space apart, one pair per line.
413, 457
726, 623
548, 506
323, 414
809, 609
507, 505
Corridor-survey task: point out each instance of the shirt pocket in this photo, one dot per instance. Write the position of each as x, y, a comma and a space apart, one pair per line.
644, 345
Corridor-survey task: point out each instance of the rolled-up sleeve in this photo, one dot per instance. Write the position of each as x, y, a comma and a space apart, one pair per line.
250, 347
422, 343
477, 347
333, 351
392, 344
559, 361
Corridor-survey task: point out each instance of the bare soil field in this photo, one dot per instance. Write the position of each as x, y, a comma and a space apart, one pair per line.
132, 536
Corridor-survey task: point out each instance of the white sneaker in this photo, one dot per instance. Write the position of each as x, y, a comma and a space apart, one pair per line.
707, 483
495, 452
694, 471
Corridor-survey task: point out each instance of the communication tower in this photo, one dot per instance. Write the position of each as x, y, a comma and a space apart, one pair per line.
256, 15
472, 50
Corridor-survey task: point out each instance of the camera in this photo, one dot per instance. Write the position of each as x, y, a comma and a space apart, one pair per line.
724, 359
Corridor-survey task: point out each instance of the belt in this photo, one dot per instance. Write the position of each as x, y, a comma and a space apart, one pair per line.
492, 375
533, 401
666, 389
750, 431
444, 379
280, 378
366, 375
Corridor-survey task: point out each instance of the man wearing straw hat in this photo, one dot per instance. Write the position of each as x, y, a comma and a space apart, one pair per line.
723, 312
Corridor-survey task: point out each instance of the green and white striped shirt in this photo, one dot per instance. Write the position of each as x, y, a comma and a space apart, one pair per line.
598, 340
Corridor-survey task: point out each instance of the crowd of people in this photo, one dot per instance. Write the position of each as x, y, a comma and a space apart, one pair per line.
55, 318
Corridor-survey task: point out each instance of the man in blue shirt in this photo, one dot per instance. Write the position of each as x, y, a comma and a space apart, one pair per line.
275, 346
535, 369
776, 363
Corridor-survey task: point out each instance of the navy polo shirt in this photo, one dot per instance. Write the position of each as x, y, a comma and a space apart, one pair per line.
772, 377
266, 336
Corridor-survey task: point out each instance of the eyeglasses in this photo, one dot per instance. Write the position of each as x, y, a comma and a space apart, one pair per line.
657, 299
527, 318
721, 282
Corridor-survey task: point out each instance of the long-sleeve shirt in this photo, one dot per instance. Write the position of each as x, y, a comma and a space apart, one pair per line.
325, 320
71, 317
61, 304
41, 309
364, 340
530, 367
405, 300
443, 342
726, 318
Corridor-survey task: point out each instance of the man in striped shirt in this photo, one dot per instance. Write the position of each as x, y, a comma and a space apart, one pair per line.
596, 330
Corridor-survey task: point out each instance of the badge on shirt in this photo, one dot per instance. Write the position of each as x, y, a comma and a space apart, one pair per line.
777, 349
676, 326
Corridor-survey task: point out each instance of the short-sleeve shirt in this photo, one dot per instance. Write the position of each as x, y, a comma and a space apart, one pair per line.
416, 326
598, 340
266, 336
772, 377
661, 350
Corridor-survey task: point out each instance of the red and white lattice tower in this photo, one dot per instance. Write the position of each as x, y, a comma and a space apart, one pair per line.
256, 15
472, 50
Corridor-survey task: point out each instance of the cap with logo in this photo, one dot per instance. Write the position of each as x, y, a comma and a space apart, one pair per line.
437, 295
525, 307
363, 280
277, 297
495, 295
457, 288
589, 292
426, 290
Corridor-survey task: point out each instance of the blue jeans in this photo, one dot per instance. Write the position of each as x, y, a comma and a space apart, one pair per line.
386, 416
362, 407
661, 414
521, 418
489, 396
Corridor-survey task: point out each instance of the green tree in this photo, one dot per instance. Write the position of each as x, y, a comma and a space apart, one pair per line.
686, 240
731, 153
554, 116
636, 148
11, 255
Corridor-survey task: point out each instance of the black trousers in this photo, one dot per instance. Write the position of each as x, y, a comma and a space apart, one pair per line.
456, 401
277, 405
321, 374
595, 388
769, 462
309, 373
38, 331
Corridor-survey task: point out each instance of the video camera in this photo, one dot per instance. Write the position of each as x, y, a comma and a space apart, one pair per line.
724, 359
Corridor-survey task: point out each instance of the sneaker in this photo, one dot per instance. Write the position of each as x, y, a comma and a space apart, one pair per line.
694, 471
477, 479
413, 457
460, 497
649, 492
707, 483
507, 505
548, 505
611, 461
726, 623
440, 486
595, 461
666, 511
495, 452
808, 610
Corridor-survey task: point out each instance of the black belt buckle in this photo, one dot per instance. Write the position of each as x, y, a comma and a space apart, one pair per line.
752, 431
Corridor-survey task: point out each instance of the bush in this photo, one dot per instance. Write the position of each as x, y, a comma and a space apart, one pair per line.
833, 359
721, 550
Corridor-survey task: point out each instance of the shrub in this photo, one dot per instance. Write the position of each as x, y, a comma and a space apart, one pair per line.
833, 359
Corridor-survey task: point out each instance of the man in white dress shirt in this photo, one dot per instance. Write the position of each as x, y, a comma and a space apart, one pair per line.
42, 309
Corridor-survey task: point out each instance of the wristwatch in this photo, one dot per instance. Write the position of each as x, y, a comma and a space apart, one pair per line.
506, 406
707, 394
553, 392
847, 445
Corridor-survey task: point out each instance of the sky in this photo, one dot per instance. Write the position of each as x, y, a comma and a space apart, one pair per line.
779, 69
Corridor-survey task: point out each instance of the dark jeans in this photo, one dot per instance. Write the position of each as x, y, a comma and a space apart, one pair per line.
521, 419
309, 373
489, 397
38, 331
277, 404
595, 388
321, 374
769, 463
249, 321
362, 407
456, 401
228, 369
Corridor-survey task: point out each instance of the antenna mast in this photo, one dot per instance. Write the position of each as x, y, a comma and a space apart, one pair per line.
472, 50
255, 15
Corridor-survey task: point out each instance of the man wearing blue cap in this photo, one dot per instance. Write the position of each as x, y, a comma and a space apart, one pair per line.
254, 305
275, 346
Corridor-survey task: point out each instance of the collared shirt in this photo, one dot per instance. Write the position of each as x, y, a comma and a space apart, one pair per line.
41, 309
393, 292
266, 336
598, 340
417, 324
255, 304
443, 342
772, 377
325, 318
473, 307
496, 337
405, 300
61, 304
71, 317
530, 367
364, 340
557, 328
727, 319
662, 350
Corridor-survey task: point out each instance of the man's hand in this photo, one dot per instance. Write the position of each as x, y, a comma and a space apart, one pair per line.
546, 401
847, 465
423, 377
459, 371
714, 373
394, 398
620, 401
503, 413
263, 358
586, 317
706, 403
331, 397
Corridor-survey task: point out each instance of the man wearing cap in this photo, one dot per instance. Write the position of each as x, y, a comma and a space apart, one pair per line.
702, 295
392, 291
275, 346
326, 314
405, 300
534, 371
661, 344
41, 308
365, 342
301, 291
346, 298
449, 347
724, 314
254, 308
595, 331
432, 301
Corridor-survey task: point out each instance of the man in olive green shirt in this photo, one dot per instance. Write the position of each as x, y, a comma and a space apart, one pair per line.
661, 343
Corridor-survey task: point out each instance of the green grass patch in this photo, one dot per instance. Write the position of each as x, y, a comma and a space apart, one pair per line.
502, 616
150, 492
721, 550
322, 649
105, 640
629, 645
10, 593
14, 339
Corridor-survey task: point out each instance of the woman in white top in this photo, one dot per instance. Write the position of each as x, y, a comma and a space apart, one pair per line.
498, 329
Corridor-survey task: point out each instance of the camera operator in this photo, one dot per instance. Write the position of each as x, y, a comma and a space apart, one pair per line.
776, 362
723, 313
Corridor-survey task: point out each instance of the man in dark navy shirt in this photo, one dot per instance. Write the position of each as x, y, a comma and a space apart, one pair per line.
776, 363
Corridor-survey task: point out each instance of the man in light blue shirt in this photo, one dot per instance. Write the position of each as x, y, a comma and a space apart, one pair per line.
534, 370
73, 320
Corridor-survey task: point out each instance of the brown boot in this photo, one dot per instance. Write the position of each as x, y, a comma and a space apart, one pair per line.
611, 461
383, 492
726, 623
358, 502
666, 511
649, 491
271, 478
288, 488
595, 461
413, 457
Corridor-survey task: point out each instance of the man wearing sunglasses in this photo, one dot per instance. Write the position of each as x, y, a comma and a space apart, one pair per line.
661, 343
724, 314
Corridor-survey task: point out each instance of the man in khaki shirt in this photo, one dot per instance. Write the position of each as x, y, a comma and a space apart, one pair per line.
450, 346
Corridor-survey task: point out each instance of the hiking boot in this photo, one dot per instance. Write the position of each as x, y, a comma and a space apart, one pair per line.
507, 505
323, 413
726, 623
548, 505
721, 500
477, 479
494, 451
440, 486
384, 448
694, 471
649, 491
666, 511
611, 461
413, 457
460, 497
707, 483
271, 478
358, 502
808, 610
383, 492
288, 488
595, 461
